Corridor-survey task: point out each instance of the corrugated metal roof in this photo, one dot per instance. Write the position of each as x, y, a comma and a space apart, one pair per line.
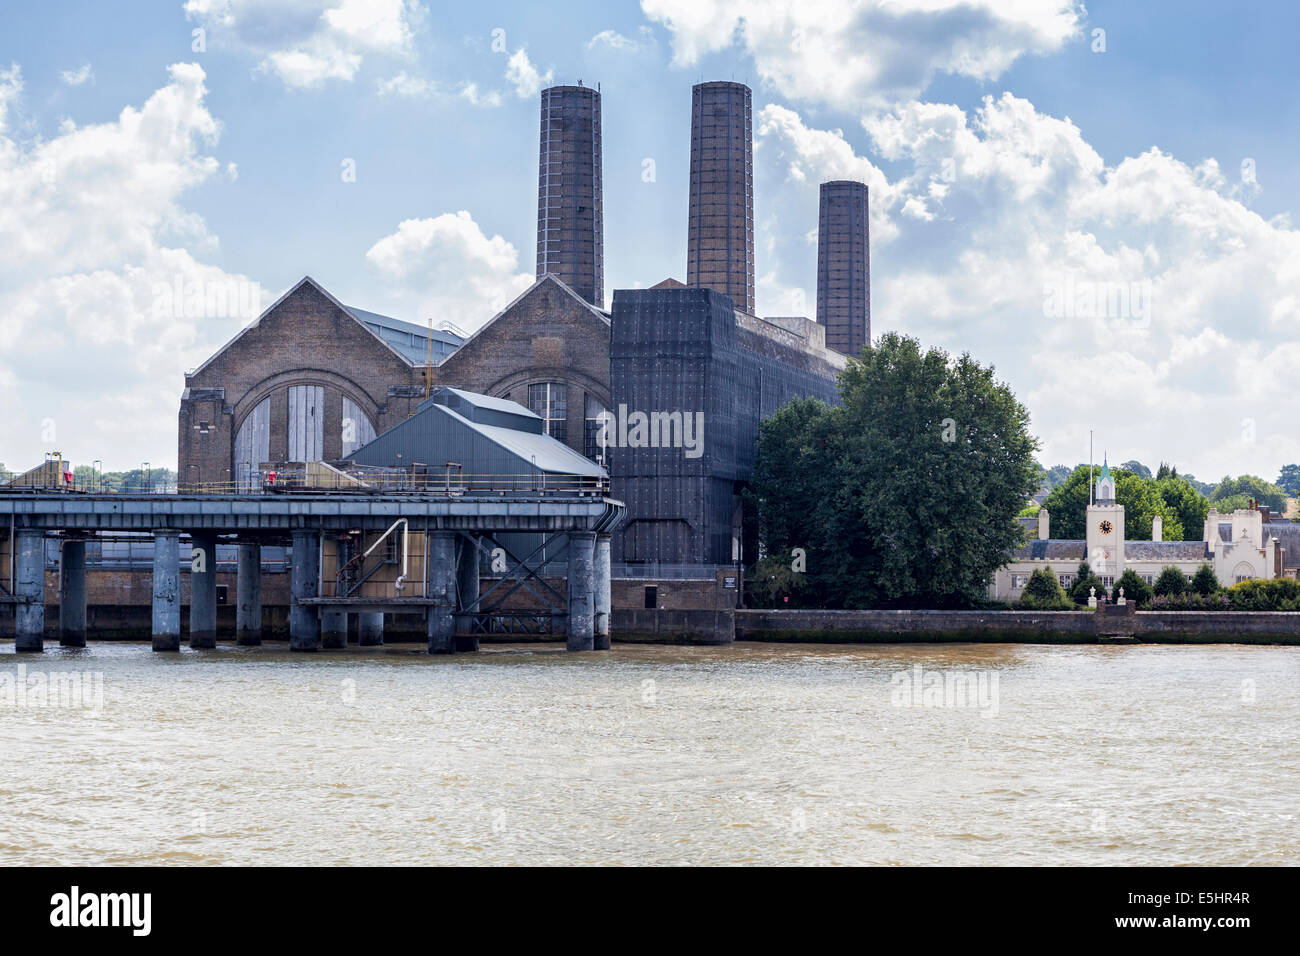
543, 451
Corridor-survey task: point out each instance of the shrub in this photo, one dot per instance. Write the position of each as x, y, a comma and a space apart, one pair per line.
1135, 589
1191, 601
1086, 579
1043, 592
1171, 581
1205, 582
1258, 594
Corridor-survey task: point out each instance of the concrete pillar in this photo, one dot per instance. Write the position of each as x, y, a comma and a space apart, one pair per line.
203, 591
29, 585
370, 628
248, 587
333, 629
467, 591
72, 593
304, 625
441, 569
582, 604
167, 591
602, 601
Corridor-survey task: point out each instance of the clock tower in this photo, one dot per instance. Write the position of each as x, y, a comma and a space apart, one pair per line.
1106, 529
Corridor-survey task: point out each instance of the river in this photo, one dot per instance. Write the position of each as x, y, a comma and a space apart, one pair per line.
748, 754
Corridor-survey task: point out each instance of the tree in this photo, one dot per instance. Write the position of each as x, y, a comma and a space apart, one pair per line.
1135, 589
1141, 498
1184, 501
1288, 480
1234, 490
1085, 580
1171, 581
906, 494
1137, 468
772, 579
1055, 475
1043, 592
1205, 582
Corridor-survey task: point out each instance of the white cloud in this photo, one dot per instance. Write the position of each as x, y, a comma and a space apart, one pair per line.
307, 42
867, 52
78, 76
526, 78
410, 87
447, 268
618, 43
93, 229
11, 87
1183, 345
470, 92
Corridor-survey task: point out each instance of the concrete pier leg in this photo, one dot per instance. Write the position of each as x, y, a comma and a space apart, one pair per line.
333, 629
467, 591
29, 585
203, 591
304, 625
602, 598
582, 604
72, 593
167, 591
442, 590
370, 628
248, 587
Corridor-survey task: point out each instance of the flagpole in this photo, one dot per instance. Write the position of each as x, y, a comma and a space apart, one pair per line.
1091, 460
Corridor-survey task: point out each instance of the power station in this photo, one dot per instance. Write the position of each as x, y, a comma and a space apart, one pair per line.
347, 402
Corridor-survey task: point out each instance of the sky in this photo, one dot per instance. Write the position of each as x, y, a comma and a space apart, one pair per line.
1097, 200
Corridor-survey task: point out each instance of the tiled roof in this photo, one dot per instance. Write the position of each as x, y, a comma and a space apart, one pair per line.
1052, 550
1165, 551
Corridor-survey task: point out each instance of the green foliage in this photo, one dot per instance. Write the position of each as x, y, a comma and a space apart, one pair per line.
1279, 594
1137, 468
772, 579
1235, 491
1171, 581
1135, 589
1043, 592
1030, 510
1288, 480
1142, 498
907, 494
1079, 592
1055, 475
1205, 582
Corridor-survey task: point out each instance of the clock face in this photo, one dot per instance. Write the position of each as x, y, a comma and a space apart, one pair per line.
1106, 527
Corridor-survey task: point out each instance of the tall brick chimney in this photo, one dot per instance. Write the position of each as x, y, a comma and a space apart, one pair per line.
844, 266
570, 227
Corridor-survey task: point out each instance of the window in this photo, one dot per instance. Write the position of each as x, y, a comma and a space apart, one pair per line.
1149, 578
1067, 580
1019, 580
591, 433
252, 446
356, 427
651, 597
550, 402
306, 422
1108, 581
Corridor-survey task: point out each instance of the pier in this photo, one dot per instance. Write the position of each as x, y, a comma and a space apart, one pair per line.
347, 549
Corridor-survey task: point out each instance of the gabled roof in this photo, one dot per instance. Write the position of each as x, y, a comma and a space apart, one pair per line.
549, 277
351, 313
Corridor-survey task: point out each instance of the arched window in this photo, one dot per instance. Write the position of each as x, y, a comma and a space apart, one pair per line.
252, 446
357, 428
592, 431
550, 402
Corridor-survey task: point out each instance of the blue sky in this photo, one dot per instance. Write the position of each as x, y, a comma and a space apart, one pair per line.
230, 168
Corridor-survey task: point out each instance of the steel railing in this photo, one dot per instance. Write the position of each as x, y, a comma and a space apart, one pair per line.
348, 482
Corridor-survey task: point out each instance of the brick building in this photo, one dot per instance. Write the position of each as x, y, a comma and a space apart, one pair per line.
313, 379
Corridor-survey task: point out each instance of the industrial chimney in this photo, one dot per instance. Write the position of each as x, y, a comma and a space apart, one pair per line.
720, 233
844, 266
570, 228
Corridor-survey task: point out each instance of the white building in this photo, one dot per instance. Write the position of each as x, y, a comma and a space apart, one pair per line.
1245, 544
